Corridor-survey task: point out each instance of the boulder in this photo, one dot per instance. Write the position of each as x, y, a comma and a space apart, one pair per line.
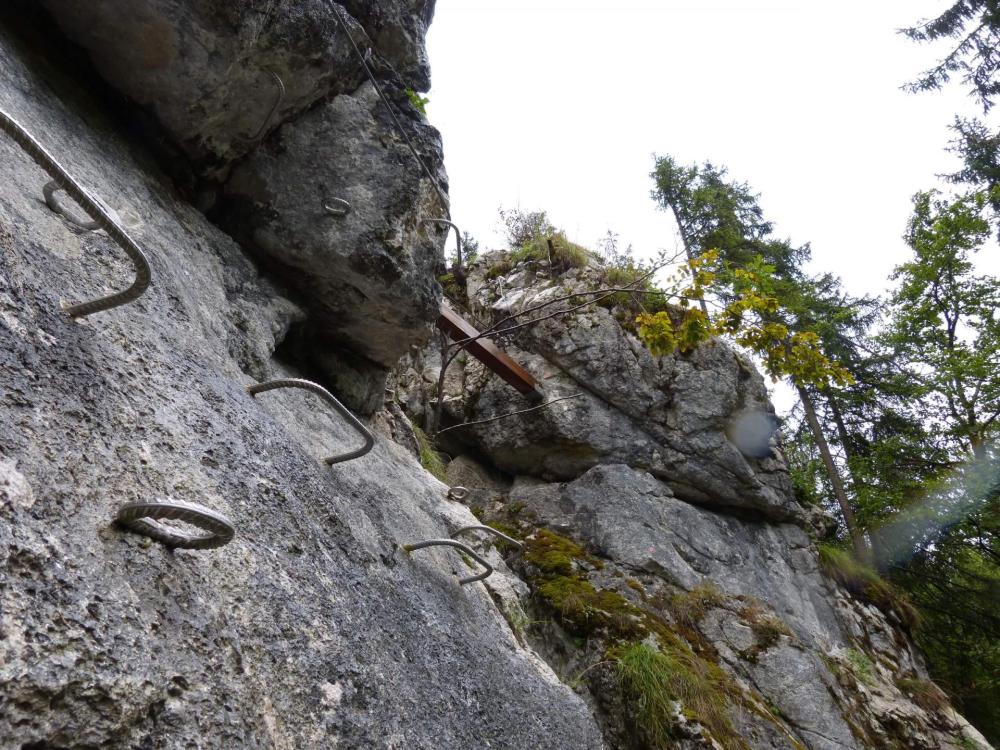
368, 278
203, 68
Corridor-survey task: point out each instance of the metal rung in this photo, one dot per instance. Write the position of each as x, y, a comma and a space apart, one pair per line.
458, 493
139, 517
262, 131
101, 216
488, 530
337, 207
459, 546
319, 390
458, 234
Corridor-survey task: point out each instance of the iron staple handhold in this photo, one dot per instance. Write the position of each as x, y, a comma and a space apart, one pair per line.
458, 493
488, 530
102, 218
140, 517
262, 130
453, 225
340, 207
319, 390
459, 546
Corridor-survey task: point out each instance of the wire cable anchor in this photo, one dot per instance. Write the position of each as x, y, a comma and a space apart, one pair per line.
140, 517
320, 391
462, 548
101, 216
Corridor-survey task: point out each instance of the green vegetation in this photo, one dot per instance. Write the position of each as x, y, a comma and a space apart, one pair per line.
452, 287
552, 553
690, 608
767, 628
652, 676
925, 693
419, 102
655, 678
866, 584
861, 666
430, 459
583, 610
554, 248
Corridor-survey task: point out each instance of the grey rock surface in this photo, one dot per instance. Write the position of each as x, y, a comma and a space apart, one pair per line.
368, 277
677, 416
631, 517
202, 67
309, 630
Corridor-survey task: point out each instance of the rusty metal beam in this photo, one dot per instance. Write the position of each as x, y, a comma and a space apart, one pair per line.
459, 329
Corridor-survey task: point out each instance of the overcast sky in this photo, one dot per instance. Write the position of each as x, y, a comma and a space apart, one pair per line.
560, 104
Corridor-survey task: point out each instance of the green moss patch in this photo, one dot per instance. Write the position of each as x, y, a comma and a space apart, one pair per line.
552, 553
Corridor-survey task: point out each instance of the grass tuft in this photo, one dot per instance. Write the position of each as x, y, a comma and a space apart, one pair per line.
690, 608
430, 459
655, 678
925, 693
866, 584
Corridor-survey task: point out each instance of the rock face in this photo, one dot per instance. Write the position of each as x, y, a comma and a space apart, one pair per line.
203, 68
369, 277
293, 145
675, 516
672, 416
309, 630
654, 512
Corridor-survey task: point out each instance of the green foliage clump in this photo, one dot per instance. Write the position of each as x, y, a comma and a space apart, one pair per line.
767, 628
925, 693
532, 237
419, 102
452, 288
583, 609
866, 584
861, 665
563, 254
655, 678
430, 459
504, 528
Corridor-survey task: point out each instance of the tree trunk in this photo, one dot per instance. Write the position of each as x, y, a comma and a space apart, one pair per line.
845, 441
857, 538
687, 251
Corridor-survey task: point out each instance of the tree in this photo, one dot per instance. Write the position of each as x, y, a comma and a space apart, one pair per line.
760, 278
975, 24
944, 320
710, 212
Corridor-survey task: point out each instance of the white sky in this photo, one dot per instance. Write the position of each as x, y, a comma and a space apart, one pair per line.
558, 105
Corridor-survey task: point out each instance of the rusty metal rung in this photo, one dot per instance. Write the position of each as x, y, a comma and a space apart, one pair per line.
459, 329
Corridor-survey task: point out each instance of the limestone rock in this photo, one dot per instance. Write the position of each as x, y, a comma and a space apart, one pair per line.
203, 67
309, 630
368, 277
681, 417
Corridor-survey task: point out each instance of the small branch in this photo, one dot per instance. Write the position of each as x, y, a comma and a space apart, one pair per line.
510, 413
